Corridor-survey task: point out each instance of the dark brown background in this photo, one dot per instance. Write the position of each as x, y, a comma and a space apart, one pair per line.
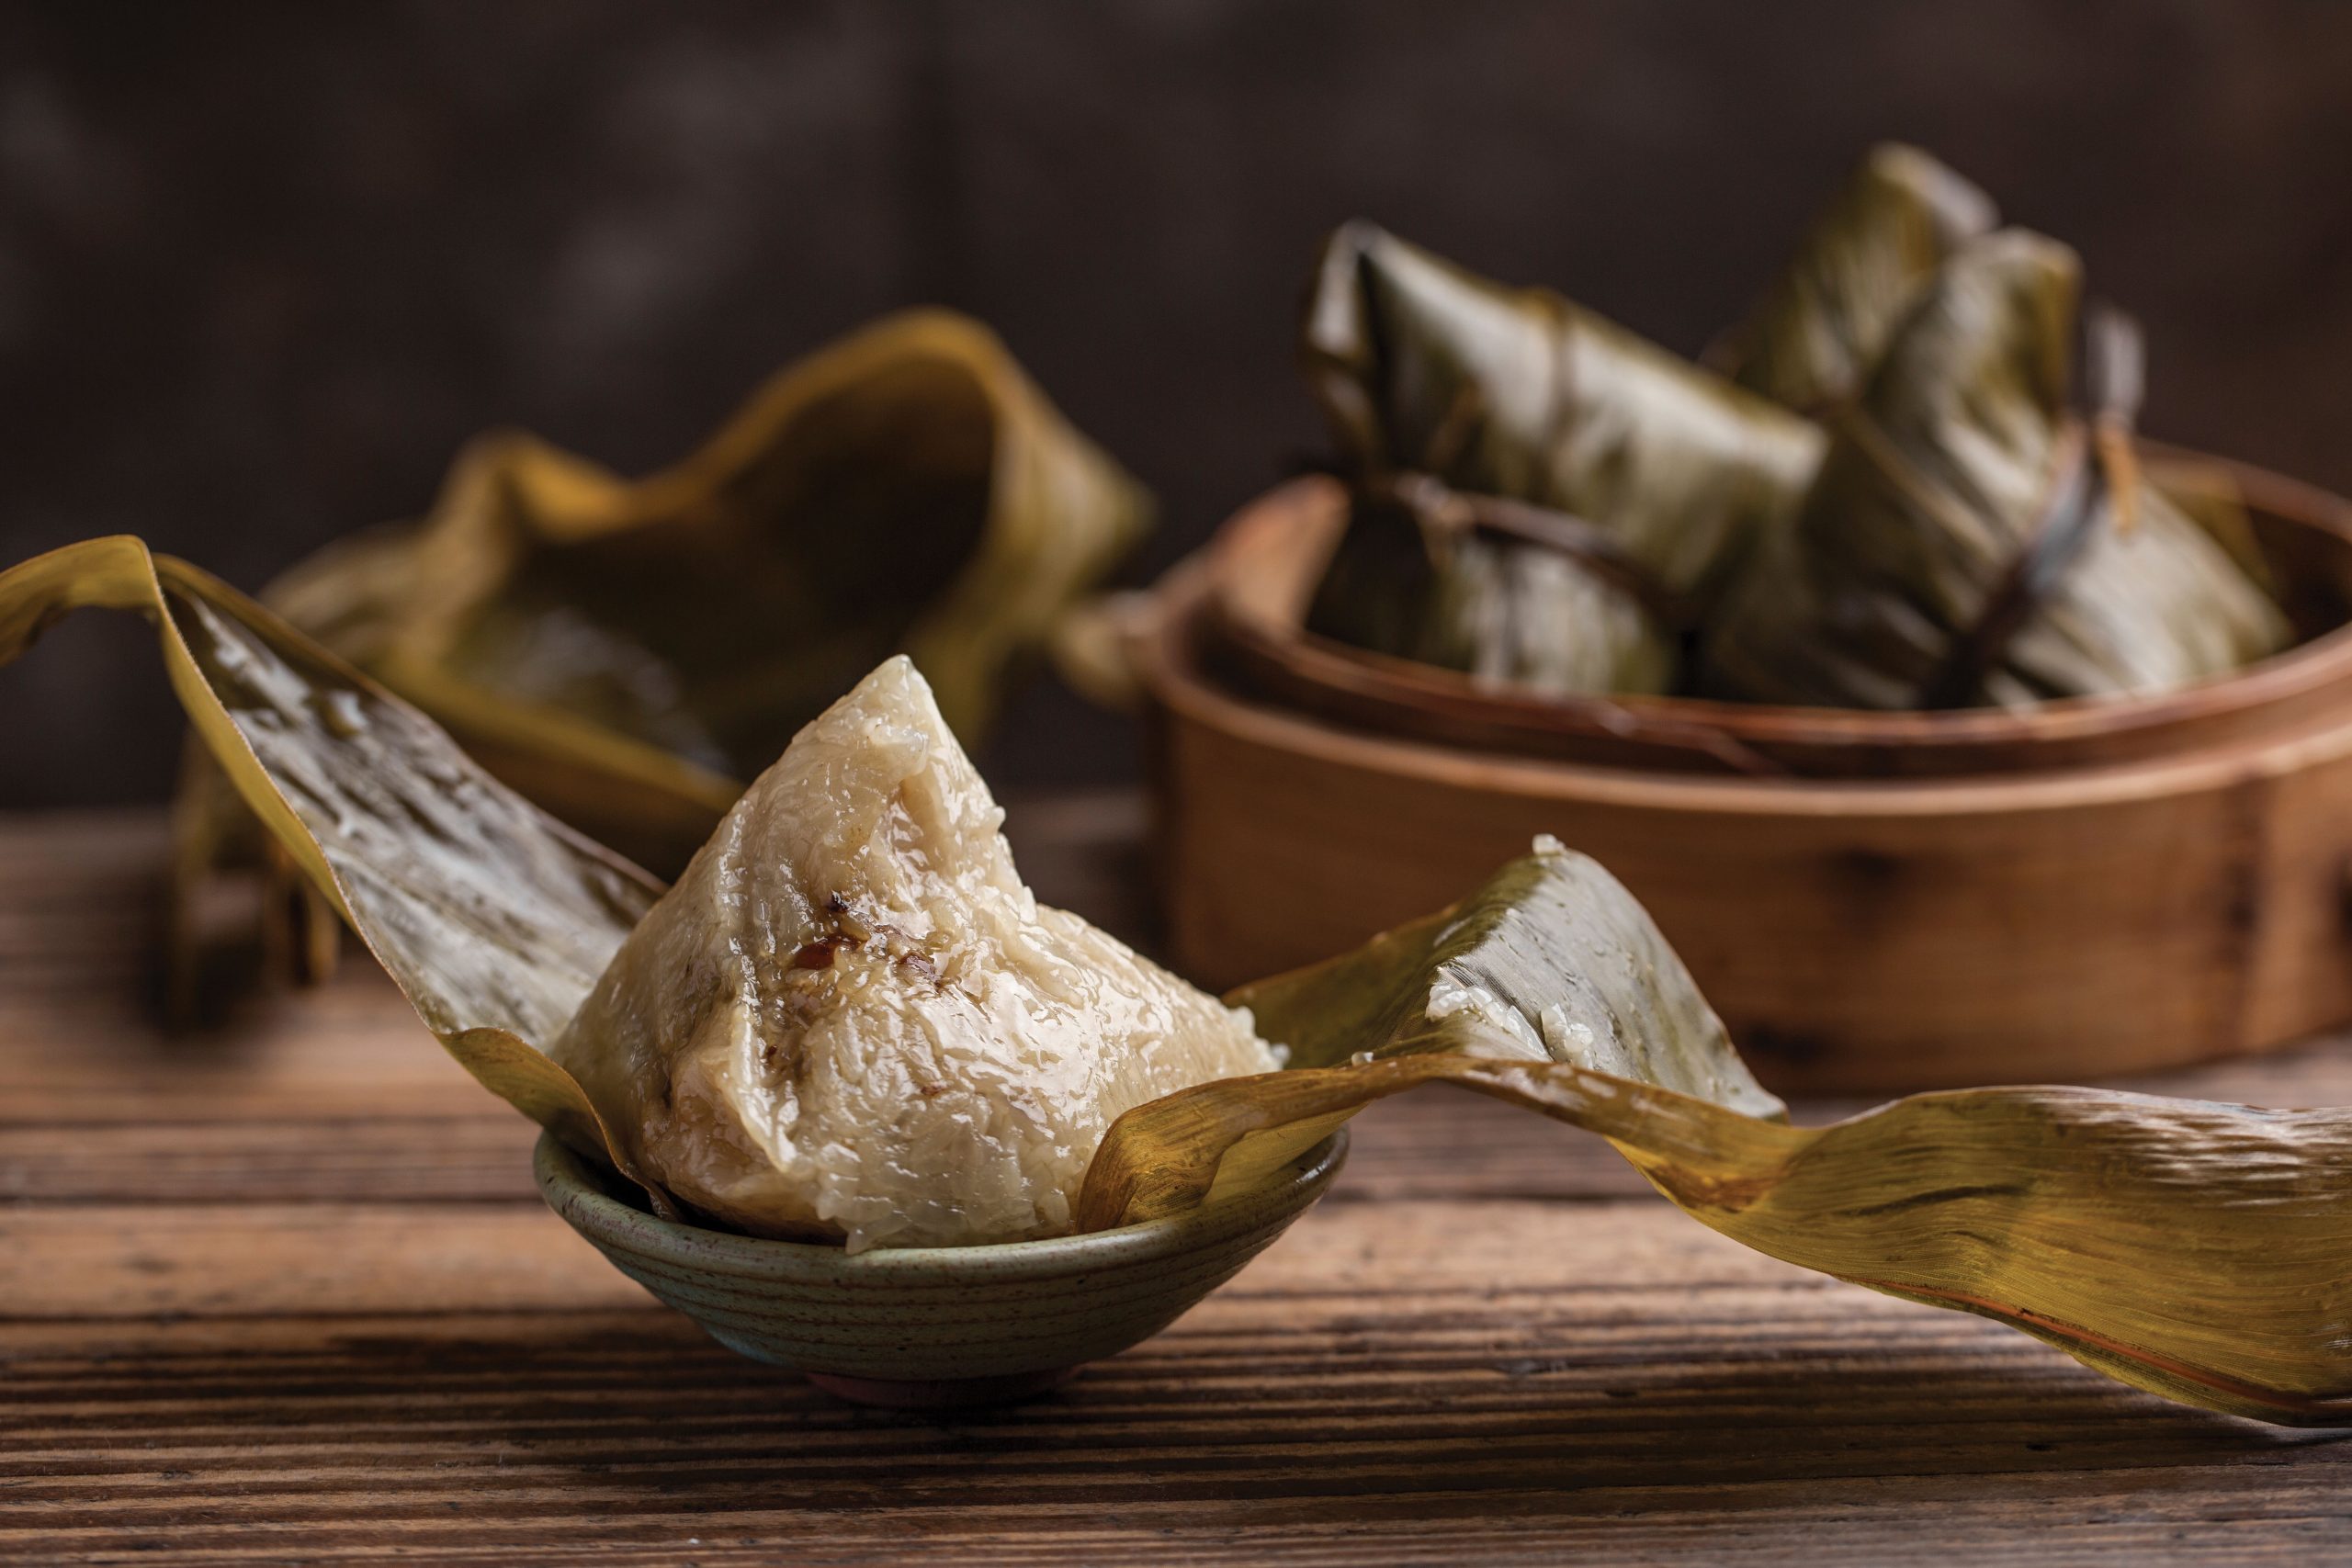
263, 266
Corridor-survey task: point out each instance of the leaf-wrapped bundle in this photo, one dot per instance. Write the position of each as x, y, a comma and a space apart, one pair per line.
1940, 480
1476, 393
1818, 330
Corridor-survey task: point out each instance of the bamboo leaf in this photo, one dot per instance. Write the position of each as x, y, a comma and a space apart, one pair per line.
494, 919
1817, 331
626, 653
2196, 1250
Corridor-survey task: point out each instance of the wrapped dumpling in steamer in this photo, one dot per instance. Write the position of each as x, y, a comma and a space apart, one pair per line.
1972, 541
1539, 496
1818, 331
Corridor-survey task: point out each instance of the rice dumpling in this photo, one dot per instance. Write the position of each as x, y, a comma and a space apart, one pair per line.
1817, 331
851, 1019
1539, 496
1970, 541
2196, 1249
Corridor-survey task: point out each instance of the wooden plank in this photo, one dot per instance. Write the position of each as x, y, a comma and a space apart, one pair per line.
1437, 1143
295, 1117
464, 1434
377, 1160
91, 1261
283, 1290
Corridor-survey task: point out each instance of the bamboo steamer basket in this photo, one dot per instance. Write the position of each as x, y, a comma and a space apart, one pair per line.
1873, 902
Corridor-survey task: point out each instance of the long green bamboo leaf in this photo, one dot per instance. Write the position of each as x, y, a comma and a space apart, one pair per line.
494, 919
625, 652
2199, 1251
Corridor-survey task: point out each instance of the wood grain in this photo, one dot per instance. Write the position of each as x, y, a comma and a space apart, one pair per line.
283, 1292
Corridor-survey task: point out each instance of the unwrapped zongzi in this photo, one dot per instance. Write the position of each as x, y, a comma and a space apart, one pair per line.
2196, 1249
850, 1018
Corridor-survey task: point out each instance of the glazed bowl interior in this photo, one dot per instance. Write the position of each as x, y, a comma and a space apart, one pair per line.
932, 1325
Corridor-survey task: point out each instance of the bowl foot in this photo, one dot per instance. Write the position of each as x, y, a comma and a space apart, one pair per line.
940, 1393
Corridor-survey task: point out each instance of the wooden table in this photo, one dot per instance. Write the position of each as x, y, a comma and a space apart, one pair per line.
283, 1290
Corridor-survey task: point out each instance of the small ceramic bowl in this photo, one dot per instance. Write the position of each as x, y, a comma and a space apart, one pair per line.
932, 1326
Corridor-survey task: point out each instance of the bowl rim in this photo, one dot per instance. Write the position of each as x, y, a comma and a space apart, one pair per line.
574, 1191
